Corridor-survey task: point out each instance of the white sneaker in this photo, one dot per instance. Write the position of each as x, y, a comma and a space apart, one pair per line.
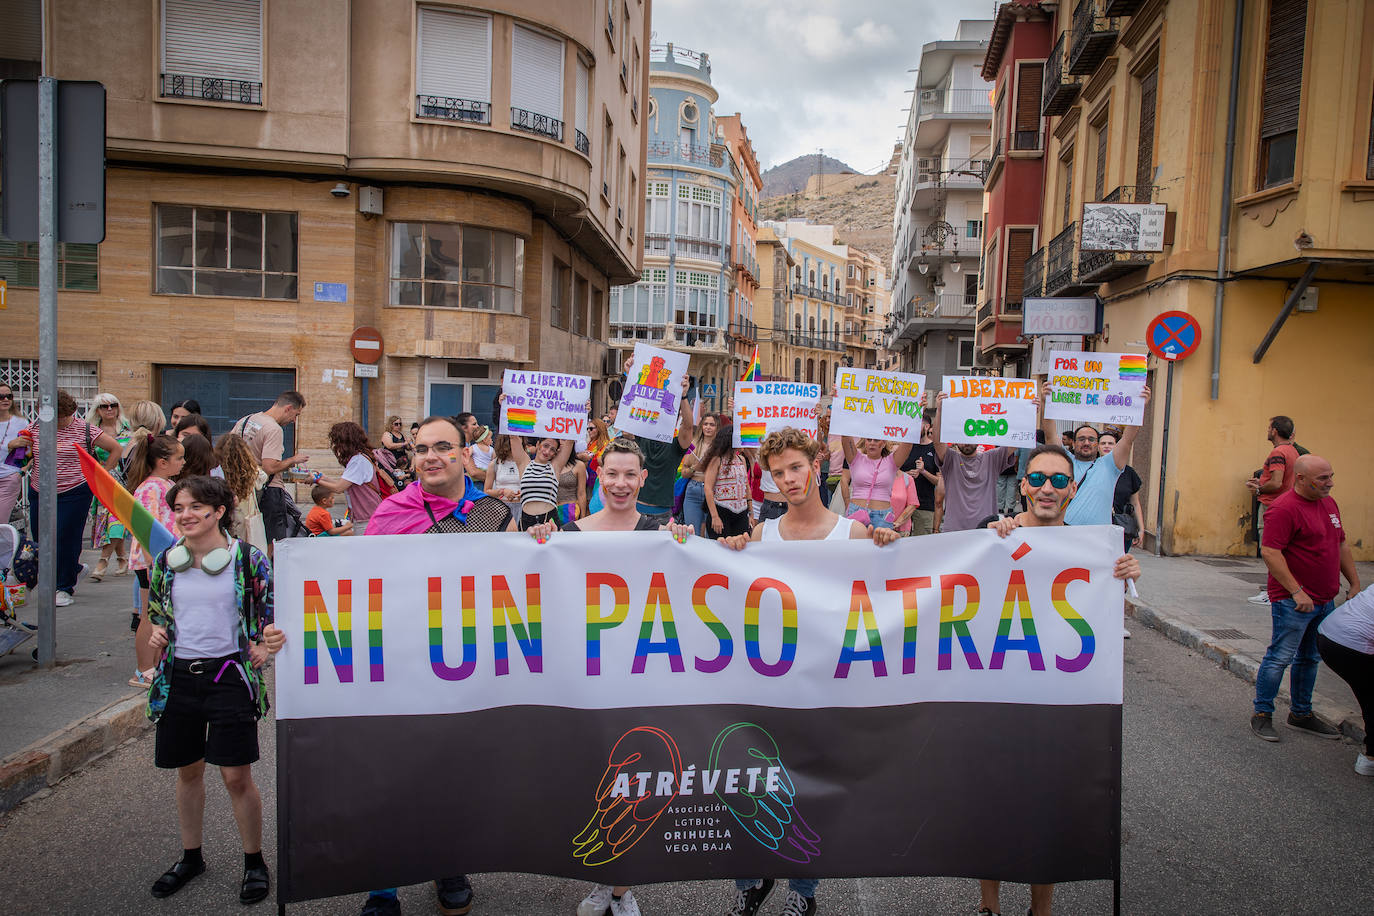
1364, 765
63, 599
81, 570
1261, 598
625, 906
597, 903
1125, 633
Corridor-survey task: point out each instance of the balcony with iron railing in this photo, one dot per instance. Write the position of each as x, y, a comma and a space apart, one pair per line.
687, 153
535, 123
1060, 88
744, 329
1122, 7
952, 102
210, 89
583, 144
444, 108
1061, 265
1102, 266
1027, 141
1033, 278
1094, 36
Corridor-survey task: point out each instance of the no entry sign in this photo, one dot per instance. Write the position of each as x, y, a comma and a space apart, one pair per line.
1173, 335
366, 345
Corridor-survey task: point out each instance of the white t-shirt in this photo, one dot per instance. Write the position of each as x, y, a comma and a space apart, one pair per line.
481, 457
10, 430
1352, 624
207, 615
359, 470
766, 483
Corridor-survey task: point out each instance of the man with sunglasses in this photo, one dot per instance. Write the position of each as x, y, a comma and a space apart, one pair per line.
1049, 488
443, 500
1094, 473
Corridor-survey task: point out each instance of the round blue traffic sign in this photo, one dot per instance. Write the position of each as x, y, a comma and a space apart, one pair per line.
1173, 335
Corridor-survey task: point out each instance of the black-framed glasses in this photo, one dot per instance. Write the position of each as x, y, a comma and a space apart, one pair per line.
1058, 481
101, 406
439, 448
7, 397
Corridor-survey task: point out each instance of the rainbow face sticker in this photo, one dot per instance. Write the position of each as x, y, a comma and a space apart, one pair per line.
520, 420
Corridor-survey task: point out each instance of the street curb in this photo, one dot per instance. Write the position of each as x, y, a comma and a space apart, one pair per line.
45, 762
1240, 663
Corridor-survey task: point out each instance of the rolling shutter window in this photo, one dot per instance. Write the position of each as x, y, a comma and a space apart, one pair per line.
22, 37
454, 56
1100, 180
1283, 56
1020, 245
214, 38
583, 79
1145, 139
536, 73
1030, 82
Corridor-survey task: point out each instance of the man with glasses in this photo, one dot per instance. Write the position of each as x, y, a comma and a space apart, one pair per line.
1049, 489
1094, 474
443, 500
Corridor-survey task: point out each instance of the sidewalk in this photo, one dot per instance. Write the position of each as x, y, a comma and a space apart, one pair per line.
1199, 602
62, 718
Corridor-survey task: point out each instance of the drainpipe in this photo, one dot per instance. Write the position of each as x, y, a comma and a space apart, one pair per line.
1228, 171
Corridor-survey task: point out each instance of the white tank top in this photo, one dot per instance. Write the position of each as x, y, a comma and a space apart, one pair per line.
772, 532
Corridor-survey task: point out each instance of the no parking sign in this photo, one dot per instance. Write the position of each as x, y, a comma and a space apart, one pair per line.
1173, 335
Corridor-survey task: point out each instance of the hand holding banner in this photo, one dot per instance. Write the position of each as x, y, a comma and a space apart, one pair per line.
1102, 387
544, 405
989, 411
761, 407
653, 387
873, 404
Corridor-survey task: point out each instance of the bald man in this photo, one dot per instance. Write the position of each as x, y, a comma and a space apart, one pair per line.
1305, 549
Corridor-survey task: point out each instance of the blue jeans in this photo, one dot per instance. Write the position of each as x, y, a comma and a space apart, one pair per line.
878, 518
804, 886
73, 506
1294, 643
694, 505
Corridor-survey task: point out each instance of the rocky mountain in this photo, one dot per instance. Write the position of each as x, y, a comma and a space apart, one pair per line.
792, 176
858, 206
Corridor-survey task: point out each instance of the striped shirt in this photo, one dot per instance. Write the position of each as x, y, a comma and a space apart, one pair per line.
538, 482
71, 437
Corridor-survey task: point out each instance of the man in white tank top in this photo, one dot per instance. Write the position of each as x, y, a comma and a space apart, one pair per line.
793, 458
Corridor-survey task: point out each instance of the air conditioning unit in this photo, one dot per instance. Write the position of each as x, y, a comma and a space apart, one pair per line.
927, 169
930, 95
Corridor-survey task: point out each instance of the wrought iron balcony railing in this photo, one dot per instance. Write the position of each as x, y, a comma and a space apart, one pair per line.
684, 152
1094, 35
1033, 279
450, 109
584, 146
535, 123
210, 89
1061, 264
1060, 88
1027, 140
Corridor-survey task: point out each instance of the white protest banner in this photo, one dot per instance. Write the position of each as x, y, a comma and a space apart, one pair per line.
989, 411
653, 387
873, 404
545, 405
761, 407
612, 703
1096, 387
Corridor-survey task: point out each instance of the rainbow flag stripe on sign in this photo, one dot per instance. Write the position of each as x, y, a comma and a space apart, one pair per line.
520, 420
1131, 367
752, 433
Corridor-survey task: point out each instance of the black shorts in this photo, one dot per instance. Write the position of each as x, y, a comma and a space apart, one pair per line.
207, 720
529, 519
772, 509
142, 576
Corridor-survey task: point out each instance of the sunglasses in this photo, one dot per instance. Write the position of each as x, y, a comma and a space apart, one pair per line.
101, 406
1059, 481
6, 397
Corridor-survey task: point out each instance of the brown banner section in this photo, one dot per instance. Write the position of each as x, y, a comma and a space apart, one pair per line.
1017, 792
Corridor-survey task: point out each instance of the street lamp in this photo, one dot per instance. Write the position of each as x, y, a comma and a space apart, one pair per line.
923, 266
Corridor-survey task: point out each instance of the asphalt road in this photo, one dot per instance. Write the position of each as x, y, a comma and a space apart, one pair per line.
1215, 821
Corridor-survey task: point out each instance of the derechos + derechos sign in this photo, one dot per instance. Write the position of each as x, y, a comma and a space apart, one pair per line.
624, 708
1096, 387
761, 407
649, 404
989, 411
874, 404
545, 405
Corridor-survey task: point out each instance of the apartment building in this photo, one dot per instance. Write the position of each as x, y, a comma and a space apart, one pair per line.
742, 332
866, 301
466, 180
684, 298
814, 322
938, 217
1136, 104
773, 304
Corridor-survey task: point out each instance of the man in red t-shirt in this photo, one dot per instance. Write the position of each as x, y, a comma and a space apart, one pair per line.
1274, 479
1304, 547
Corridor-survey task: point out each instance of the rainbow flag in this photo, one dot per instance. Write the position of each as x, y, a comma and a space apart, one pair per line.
752, 433
751, 372
1131, 367
151, 533
520, 419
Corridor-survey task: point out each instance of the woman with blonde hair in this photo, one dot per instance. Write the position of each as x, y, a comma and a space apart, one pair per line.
106, 531
245, 478
395, 441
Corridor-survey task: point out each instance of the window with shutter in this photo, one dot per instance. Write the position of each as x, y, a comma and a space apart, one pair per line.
212, 50
453, 66
21, 41
1282, 95
1029, 83
1145, 138
583, 138
1020, 246
536, 78
1100, 179
1068, 191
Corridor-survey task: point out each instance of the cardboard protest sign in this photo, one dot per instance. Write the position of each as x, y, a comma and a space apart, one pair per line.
741, 739
761, 407
881, 405
1096, 387
989, 411
545, 405
649, 406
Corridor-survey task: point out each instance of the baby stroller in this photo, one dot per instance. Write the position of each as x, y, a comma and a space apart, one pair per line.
13, 633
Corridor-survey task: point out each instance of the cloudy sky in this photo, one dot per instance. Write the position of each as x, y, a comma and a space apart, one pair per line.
809, 74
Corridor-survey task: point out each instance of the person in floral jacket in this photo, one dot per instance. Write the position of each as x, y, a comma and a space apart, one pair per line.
210, 606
